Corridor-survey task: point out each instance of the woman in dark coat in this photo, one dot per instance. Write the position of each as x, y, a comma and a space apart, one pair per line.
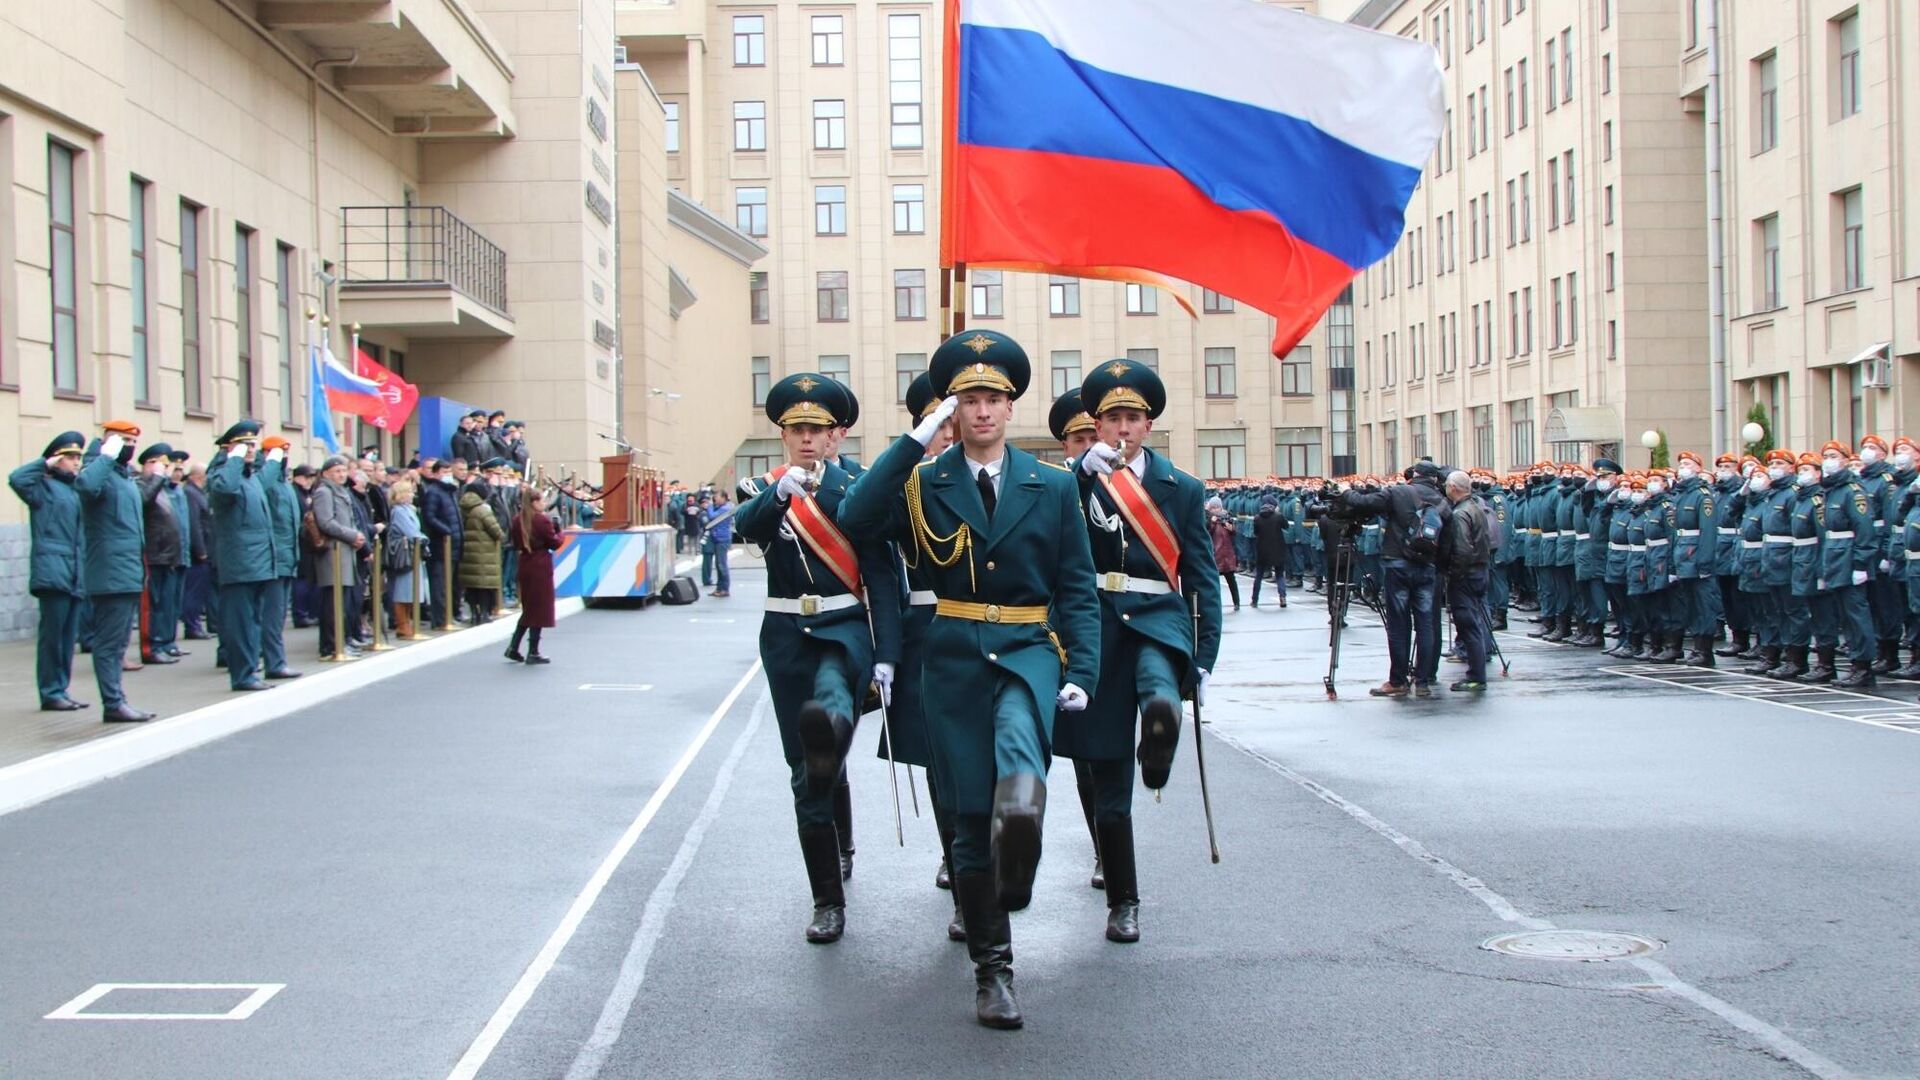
1220, 528
536, 538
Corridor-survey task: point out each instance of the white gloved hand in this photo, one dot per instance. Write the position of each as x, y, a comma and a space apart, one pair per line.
1885, 565
792, 482
1200, 691
883, 678
1098, 459
276, 454
52, 461
1674, 579
924, 432
1072, 698
110, 446
1859, 577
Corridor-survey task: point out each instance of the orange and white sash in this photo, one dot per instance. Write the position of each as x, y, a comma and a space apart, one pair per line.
1146, 520
823, 537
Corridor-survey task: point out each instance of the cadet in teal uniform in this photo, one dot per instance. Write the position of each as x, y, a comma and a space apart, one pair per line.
1886, 598
243, 527
1149, 658
1909, 534
283, 511
1618, 492
820, 642
1639, 616
1591, 525
46, 485
1730, 495
1696, 595
114, 539
1015, 634
1805, 574
1906, 468
1750, 567
1074, 430
1847, 556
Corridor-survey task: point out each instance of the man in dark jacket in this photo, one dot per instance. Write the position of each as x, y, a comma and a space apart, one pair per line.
1412, 618
197, 601
46, 485
440, 520
165, 554
305, 600
1467, 552
111, 561
1270, 547
283, 511
244, 536
470, 443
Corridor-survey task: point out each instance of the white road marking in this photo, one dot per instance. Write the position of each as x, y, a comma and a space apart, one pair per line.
713, 622
503, 1017
1777, 1042
635, 687
258, 996
592, 1056
1840, 704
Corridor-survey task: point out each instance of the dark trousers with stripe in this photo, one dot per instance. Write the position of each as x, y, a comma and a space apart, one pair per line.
53, 654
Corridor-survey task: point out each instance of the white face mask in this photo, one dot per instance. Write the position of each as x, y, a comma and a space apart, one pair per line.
1778, 472
1655, 487
1687, 472
1724, 472
1603, 484
1903, 460
1808, 476
1760, 482
1831, 466
1869, 455
1638, 497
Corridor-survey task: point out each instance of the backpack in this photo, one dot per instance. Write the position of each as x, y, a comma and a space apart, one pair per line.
1423, 536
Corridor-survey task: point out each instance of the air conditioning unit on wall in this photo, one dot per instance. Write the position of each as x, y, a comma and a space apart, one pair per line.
1877, 370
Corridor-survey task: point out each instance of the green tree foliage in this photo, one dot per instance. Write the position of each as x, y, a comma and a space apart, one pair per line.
1660, 454
1759, 447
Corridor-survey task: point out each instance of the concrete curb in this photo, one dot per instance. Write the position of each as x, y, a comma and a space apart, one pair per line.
38, 779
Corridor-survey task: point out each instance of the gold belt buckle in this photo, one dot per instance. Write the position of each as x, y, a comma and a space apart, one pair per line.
993, 613
1116, 581
810, 605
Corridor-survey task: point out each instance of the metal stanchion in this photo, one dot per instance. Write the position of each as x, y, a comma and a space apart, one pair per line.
340, 654
419, 584
376, 604
448, 623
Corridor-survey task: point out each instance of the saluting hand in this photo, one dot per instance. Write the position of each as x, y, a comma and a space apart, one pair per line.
1098, 459
924, 432
1072, 698
110, 446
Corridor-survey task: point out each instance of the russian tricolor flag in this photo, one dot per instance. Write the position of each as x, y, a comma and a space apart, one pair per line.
1265, 154
347, 392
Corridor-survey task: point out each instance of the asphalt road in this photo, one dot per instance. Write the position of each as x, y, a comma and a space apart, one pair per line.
485, 870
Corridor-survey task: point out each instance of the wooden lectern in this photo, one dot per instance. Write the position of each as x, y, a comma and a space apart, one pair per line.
631, 496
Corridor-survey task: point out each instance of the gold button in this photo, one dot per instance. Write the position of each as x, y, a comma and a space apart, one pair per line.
993, 613
990, 565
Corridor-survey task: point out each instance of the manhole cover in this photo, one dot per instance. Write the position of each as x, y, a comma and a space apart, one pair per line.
1587, 945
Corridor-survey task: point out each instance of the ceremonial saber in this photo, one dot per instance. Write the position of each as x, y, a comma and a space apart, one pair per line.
1199, 754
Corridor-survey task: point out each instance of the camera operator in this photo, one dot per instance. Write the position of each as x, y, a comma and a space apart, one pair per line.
1416, 514
1327, 512
1466, 553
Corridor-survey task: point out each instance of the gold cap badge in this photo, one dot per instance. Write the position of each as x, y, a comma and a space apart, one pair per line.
979, 343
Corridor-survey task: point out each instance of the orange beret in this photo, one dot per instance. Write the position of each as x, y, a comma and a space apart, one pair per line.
1837, 447
1727, 459
1810, 458
1902, 440
274, 442
1784, 457
123, 427
1874, 440
1688, 455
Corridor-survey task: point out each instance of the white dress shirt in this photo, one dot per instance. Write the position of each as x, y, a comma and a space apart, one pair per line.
992, 469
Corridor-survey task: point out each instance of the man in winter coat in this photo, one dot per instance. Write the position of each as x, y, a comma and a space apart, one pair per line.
46, 485
166, 557
333, 566
115, 537
283, 512
244, 536
1270, 548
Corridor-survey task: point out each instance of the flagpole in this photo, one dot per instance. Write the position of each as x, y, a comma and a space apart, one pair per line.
312, 435
326, 349
353, 356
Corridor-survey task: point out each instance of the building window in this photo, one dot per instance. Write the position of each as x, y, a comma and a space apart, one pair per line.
1520, 432
749, 41
750, 210
1223, 454
1693, 23
906, 368
1566, 65
1607, 192
1850, 210
1526, 207
1296, 372
1220, 373
830, 295
190, 375
829, 41
283, 302
140, 237
830, 210
762, 367
1507, 99
1612, 281
1065, 368
243, 314
909, 294
757, 457
1473, 140
903, 82
829, 125
1147, 358
1417, 435
1483, 436
1606, 70
1613, 339
1142, 299
1767, 231
1553, 79
1766, 113
749, 125
1212, 303
757, 294
909, 208
1390, 444
1846, 88
837, 367
1573, 307
1296, 452
673, 126
1606, 141
1571, 199
988, 289
1063, 296
63, 269
1553, 193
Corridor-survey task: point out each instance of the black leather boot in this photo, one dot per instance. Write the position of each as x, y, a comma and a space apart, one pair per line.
1769, 659
1737, 646
1586, 637
1699, 651
1643, 647
1159, 735
990, 946
956, 926
1019, 805
1547, 626
1888, 659
1822, 670
824, 739
1912, 669
1083, 787
1669, 648
1793, 663
843, 823
1123, 884
1859, 676
820, 847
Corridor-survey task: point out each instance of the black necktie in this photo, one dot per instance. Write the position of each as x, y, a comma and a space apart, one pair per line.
984, 481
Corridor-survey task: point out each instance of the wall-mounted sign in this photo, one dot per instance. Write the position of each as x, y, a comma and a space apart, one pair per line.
600, 166
598, 202
602, 334
597, 119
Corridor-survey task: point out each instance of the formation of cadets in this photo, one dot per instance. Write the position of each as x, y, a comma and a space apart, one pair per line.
1798, 564
994, 610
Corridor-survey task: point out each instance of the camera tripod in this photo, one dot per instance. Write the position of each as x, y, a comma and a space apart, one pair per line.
1341, 593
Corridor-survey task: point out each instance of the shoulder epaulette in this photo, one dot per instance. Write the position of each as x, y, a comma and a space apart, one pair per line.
1056, 465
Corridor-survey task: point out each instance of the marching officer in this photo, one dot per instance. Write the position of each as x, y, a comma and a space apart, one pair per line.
1847, 557
1696, 594
1151, 552
244, 536
1015, 632
46, 485
283, 512
1075, 431
165, 553
820, 641
114, 540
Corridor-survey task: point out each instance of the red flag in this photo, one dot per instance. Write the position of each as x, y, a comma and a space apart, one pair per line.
397, 395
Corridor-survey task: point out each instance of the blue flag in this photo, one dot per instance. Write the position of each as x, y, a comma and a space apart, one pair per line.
322, 416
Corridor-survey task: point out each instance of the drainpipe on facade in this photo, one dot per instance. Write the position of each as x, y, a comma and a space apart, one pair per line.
1716, 238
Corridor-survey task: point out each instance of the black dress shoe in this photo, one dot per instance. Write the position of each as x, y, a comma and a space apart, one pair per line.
1123, 922
990, 946
283, 673
515, 655
1159, 735
943, 878
124, 713
1019, 805
195, 635
251, 685
820, 847
536, 658
61, 704
176, 652
305, 624
159, 658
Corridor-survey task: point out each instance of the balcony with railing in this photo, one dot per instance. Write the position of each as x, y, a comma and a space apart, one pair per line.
422, 271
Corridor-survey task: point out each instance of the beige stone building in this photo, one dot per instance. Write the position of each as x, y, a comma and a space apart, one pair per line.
1555, 295
814, 128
